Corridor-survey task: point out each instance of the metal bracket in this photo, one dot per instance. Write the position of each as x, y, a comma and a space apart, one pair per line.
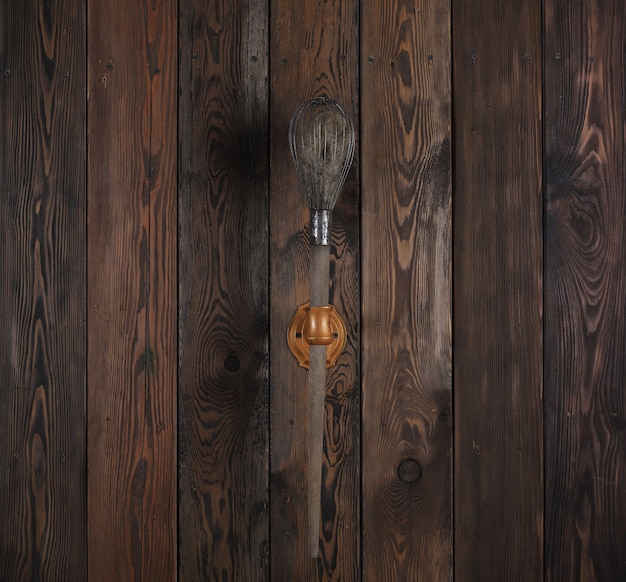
316, 326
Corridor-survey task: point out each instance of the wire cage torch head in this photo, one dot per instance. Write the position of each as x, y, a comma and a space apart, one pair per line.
321, 139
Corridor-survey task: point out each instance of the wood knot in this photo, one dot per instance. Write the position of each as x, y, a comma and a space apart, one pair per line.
232, 364
409, 471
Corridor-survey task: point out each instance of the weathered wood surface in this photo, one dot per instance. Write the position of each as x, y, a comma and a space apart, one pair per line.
498, 291
389, 63
314, 52
132, 82
585, 261
224, 349
42, 291
406, 222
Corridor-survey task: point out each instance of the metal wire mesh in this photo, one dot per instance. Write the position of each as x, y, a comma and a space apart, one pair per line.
321, 138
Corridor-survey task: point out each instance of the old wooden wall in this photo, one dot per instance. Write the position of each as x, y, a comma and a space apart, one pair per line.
153, 251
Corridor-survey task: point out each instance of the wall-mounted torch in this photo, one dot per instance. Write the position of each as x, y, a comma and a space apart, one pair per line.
321, 138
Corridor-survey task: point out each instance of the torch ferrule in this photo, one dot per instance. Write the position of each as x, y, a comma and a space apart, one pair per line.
320, 226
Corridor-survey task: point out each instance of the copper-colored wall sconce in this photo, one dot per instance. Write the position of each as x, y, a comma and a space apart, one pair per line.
320, 325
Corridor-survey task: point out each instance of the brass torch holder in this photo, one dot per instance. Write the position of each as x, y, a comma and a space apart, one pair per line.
319, 326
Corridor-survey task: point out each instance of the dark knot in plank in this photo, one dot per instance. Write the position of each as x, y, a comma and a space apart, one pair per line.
409, 471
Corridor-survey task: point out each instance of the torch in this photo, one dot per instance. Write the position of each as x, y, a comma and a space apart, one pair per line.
321, 139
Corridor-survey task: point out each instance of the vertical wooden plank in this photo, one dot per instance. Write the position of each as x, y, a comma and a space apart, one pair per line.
314, 52
132, 78
585, 289
42, 291
224, 401
498, 291
407, 437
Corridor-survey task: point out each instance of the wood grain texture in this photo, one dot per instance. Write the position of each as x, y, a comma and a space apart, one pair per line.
498, 291
224, 401
132, 225
42, 291
314, 52
585, 294
406, 222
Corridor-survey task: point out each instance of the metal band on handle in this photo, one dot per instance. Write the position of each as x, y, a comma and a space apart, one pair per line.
320, 226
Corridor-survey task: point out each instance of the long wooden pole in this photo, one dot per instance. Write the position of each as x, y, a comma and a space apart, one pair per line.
319, 275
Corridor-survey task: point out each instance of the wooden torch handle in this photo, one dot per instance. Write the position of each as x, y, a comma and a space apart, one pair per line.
319, 276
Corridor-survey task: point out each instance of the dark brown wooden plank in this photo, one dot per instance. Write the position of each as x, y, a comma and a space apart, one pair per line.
42, 291
407, 437
224, 400
585, 306
132, 80
314, 52
498, 291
